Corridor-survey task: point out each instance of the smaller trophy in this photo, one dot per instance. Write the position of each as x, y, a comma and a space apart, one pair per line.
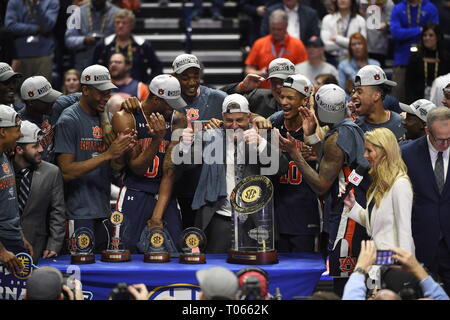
81, 246
157, 250
116, 251
192, 243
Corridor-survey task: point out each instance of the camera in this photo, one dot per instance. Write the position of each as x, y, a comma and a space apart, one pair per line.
120, 292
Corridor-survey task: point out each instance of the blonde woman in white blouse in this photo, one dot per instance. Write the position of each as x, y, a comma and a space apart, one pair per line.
337, 28
387, 217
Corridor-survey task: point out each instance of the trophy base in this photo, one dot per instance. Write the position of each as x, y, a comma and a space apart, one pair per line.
156, 257
82, 258
116, 256
192, 259
252, 257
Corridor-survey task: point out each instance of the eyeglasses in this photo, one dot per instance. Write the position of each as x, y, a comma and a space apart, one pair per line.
440, 141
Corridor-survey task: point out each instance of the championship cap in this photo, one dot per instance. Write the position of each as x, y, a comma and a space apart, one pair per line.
6, 72
235, 103
45, 283
281, 68
330, 100
185, 61
8, 117
419, 108
30, 132
167, 87
371, 75
218, 282
38, 88
299, 83
97, 76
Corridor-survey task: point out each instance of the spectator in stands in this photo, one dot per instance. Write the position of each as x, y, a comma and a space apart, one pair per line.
355, 288
215, 10
88, 26
446, 98
326, 78
84, 158
303, 21
8, 86
444, 20
387, 218
255, 10
39, 97
427, 160
416, 118
407, 20
438, 88
32, 23
71, 81
132, 5
343, 147
279, 44
337, 28
264, 102
203, 104
40, 195
371, 87
119, 67
217, 283
377, 30
426, 64
137, 50
316, 64
358, 57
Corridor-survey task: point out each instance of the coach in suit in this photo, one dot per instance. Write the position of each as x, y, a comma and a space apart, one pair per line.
427, 159
40, 194
302, 25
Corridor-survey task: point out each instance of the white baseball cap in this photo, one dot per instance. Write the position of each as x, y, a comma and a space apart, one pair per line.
6, 72
235, 103
281, 68
330, 100
7, 117
185, 61
167, 87
38, 88
300, 83
419, 108
97, 76
30, 132
371, 75
218, 282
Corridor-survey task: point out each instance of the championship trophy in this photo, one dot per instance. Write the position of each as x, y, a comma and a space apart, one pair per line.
81, 246
192, 243
157, 250
253, 232
116, 251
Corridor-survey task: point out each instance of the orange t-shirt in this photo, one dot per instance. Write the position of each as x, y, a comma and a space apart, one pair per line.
264, 50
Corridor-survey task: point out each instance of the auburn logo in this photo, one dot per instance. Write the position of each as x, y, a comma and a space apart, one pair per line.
87, 78
5, 167
97, 132
347, 264
377, 77
161, 91
30, 94
46, 127
192, 114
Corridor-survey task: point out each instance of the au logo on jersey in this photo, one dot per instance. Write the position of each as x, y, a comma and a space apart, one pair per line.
6, 168
347, 264
46, 127
192, 114
97, 132
27, 266
177, 291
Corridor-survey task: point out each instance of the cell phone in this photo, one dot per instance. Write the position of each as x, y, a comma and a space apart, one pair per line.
384, 257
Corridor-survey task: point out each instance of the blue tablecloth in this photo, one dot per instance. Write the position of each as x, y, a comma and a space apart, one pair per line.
296, 274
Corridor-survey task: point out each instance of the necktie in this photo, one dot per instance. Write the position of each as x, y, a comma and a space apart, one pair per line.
238, 167
439, 172
24, 189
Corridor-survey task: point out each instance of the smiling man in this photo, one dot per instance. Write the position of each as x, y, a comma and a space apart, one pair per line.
84, 158
8, 86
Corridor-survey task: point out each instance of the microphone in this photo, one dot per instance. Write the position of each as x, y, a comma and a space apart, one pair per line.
354, 179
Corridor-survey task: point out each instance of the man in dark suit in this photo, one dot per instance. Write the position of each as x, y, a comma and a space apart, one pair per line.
427, 160
40, 194
303, 26
245, 153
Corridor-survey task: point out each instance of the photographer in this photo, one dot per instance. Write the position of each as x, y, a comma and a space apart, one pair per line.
129, 292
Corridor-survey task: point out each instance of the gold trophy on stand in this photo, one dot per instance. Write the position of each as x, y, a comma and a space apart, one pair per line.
192, 243
116, 251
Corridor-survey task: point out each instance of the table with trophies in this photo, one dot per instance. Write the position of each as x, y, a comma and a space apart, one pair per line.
166, 274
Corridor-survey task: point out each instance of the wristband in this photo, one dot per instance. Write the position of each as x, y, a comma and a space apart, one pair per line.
312, 139
360, 270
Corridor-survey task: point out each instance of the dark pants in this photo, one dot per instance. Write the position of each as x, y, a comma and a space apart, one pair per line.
441, 265
187, 214
15, 246
98, 229
296, 243
218, 234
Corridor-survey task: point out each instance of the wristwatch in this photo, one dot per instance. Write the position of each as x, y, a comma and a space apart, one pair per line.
360, 270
